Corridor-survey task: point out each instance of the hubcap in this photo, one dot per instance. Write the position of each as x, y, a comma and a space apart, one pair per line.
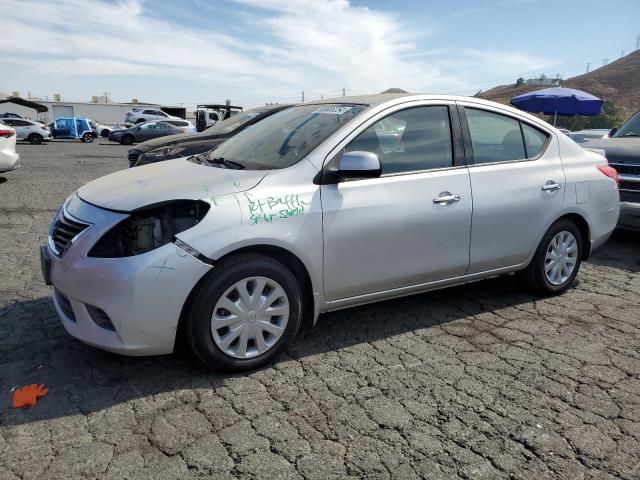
561, 257
250, 317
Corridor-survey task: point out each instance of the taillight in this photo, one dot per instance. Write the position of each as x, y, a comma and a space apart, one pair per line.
7, 133
610, 172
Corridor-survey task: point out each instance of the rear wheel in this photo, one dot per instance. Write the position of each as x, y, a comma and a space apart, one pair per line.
87, 137
126, 139
557, 259
244, 313
35, 138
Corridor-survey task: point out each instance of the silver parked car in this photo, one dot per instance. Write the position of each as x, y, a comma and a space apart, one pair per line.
319, 209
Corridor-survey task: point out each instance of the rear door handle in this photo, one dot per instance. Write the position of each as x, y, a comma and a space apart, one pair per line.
445, 198
551, 186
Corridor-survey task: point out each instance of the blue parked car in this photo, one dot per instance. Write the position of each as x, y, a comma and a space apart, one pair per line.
73, 128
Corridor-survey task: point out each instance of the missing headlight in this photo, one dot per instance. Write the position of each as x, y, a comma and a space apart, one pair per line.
149, 228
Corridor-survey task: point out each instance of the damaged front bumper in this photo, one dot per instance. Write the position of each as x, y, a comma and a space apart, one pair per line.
128, 305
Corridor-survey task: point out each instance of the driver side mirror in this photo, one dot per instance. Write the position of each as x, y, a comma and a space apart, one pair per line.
613, 131
358, 164
354, 165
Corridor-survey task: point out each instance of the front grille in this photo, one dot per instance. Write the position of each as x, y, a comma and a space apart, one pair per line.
64, 304
64, 231
633, 197
626, 168
625, 185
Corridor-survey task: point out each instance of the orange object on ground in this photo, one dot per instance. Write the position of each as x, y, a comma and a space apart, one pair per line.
26, 396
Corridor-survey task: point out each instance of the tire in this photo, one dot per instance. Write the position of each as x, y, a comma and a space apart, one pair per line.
209, 344
105, 133
539, 275
35, 138
140, 120
126, 139
87, 138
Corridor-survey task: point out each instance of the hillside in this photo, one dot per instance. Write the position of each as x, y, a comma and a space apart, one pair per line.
618, 81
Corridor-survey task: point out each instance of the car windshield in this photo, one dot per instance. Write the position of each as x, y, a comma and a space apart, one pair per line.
286, 137
231, 123
631, 128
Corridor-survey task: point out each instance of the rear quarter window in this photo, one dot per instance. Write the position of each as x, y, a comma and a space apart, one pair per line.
534, 140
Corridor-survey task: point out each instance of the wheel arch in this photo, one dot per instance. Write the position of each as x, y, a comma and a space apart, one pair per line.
585, 231
286, 257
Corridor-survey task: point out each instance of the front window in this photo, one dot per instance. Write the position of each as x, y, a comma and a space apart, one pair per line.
284, 138
631, 128
410, 140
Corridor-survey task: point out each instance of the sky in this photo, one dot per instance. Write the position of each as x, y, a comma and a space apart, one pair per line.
184, 52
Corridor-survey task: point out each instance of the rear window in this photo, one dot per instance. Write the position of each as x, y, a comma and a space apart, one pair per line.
500, 138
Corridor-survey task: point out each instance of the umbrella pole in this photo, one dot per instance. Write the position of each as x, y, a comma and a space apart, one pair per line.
555, 115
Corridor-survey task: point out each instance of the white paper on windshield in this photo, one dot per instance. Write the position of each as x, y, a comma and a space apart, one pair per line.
333, 109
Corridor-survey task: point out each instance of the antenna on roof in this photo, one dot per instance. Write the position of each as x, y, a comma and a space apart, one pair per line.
605, 61
638, 42
588, 66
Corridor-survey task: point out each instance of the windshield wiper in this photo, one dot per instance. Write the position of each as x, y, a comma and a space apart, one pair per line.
203, 159
225, 162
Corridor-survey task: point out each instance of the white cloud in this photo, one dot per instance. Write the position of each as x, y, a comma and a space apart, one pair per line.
319, 45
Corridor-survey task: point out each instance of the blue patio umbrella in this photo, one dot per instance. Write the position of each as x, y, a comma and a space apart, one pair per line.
559, 101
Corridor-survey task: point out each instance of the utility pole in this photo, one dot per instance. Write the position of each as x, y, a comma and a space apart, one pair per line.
106, 97
302, 96
588, 67
343, 92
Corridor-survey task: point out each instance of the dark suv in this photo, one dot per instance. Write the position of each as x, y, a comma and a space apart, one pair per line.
622, 149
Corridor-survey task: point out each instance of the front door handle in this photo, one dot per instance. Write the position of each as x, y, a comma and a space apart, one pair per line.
446, 198
551, 186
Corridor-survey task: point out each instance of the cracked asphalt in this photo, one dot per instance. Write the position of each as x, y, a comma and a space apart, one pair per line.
479, 381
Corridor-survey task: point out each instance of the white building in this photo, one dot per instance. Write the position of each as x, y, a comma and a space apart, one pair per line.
105, 113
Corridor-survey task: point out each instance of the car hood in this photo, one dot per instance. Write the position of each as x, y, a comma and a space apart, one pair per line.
618, 150
128, 190
172, 140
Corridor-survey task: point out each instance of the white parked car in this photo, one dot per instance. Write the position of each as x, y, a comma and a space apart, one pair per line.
139, 115
98, 129
583, 136
317, 208
34, 132
9, 159
185, 125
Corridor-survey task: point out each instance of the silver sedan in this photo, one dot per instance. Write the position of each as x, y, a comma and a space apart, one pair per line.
325, 206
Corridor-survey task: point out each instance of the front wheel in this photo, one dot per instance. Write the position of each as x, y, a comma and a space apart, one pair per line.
557, 259
126, 140
105, 132
244, 313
